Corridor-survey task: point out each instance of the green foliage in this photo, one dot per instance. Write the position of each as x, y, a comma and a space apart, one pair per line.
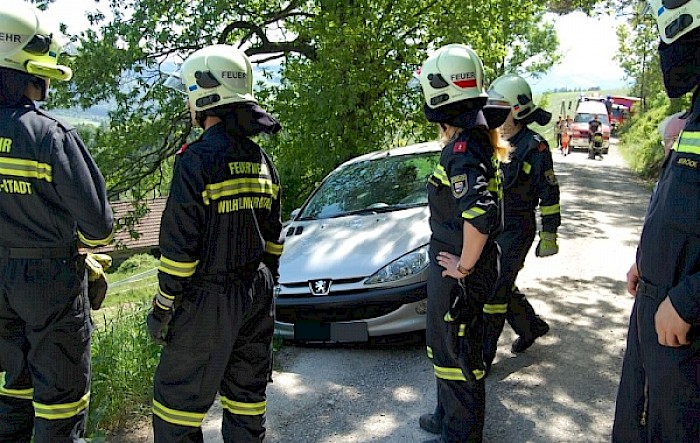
134, 265
640, 144
123, 362
343, 73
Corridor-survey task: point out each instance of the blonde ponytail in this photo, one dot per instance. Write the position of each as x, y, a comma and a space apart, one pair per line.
500, 147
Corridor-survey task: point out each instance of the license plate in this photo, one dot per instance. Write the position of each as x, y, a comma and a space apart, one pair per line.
331, 332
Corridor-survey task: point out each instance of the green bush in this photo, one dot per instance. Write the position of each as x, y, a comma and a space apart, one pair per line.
640, 143
135, 264
124, 359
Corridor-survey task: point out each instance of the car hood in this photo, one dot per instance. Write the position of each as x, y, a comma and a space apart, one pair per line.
352, 246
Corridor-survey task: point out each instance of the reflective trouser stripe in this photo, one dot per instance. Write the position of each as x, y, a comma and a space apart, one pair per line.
182, 418
240, 408
22, 394
495, 308
455, 374
62, 410
550, 210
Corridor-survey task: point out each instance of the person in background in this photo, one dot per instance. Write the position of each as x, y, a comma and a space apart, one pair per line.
558, 128
529, 182
220, 240
658, 399
465, 217
53, 201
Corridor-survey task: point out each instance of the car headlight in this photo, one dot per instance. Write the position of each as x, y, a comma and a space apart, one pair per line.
409, 265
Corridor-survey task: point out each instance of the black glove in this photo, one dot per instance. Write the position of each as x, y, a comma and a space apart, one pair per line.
157, 322
464, 332
97, 282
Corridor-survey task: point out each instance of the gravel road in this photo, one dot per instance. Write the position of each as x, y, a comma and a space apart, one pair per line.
560, 390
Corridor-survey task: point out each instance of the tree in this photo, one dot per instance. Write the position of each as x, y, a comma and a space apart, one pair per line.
337, 74
639, 58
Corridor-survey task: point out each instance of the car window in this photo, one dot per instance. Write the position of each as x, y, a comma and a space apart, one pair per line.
584, 117
384, 184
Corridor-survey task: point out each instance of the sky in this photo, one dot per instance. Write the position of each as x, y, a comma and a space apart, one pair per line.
587, 44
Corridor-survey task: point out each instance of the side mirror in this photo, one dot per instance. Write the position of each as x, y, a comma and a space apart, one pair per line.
294, 213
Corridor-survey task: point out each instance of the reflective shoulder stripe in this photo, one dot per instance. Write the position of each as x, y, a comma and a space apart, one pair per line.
23, 394
495, 308
25, 168
178, 269
440, 174
455, 374
273, 248
92, 243
62, 410
236, 186
240, 408
688, 142
550, 210
182, 418
527, 167
473, 213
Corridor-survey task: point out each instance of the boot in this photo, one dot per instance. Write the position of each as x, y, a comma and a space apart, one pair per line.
521, 344
427, 422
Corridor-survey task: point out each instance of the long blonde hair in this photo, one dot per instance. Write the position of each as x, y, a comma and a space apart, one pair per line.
501, 147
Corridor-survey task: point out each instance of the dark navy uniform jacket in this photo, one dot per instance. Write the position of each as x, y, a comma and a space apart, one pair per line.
465, 186
222, 214
668, 255
529, 180
51, 192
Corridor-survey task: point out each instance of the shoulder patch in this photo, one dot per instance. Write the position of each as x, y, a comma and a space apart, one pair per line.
459, 185
459, 147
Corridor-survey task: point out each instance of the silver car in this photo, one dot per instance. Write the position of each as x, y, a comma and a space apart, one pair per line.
355, 256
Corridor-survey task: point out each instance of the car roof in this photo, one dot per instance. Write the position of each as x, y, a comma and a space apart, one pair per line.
418, 148
591, 107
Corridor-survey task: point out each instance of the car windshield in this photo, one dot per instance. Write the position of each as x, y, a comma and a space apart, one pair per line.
585, 118
378, 185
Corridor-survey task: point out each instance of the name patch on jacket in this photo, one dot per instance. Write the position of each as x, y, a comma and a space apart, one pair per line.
244, 203
687, 162
459, 185
5, 145
10, 186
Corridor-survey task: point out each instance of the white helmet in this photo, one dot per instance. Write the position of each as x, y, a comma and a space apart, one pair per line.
28, 46
217, 75
515, 91
675, 18
451, 74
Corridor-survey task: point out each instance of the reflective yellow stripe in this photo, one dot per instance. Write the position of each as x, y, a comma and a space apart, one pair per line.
495, 309
441, 175
473, 213
527, 167
164, 301
62, 410
240, 408
92, 243
248, 185
25, 168
429, 351
23, 394
455, 374
462, 330
273, 248
689, 142
178, 269
550, 210
182, 418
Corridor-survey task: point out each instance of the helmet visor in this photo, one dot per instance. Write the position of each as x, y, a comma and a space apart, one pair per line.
173, 81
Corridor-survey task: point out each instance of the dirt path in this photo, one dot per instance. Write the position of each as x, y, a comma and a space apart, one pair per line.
561, 390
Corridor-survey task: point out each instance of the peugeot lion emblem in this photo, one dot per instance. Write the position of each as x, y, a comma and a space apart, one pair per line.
320, 287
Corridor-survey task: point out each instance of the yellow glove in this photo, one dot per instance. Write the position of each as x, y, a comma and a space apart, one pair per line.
97, 282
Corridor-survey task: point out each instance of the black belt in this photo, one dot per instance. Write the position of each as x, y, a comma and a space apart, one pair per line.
657, 293
30, 253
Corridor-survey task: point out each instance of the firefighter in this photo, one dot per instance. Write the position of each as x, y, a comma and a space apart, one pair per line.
52, 200
465, 216
220, 240
529, 182
658, 399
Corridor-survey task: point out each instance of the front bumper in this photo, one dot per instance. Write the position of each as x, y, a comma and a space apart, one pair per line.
352, 316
